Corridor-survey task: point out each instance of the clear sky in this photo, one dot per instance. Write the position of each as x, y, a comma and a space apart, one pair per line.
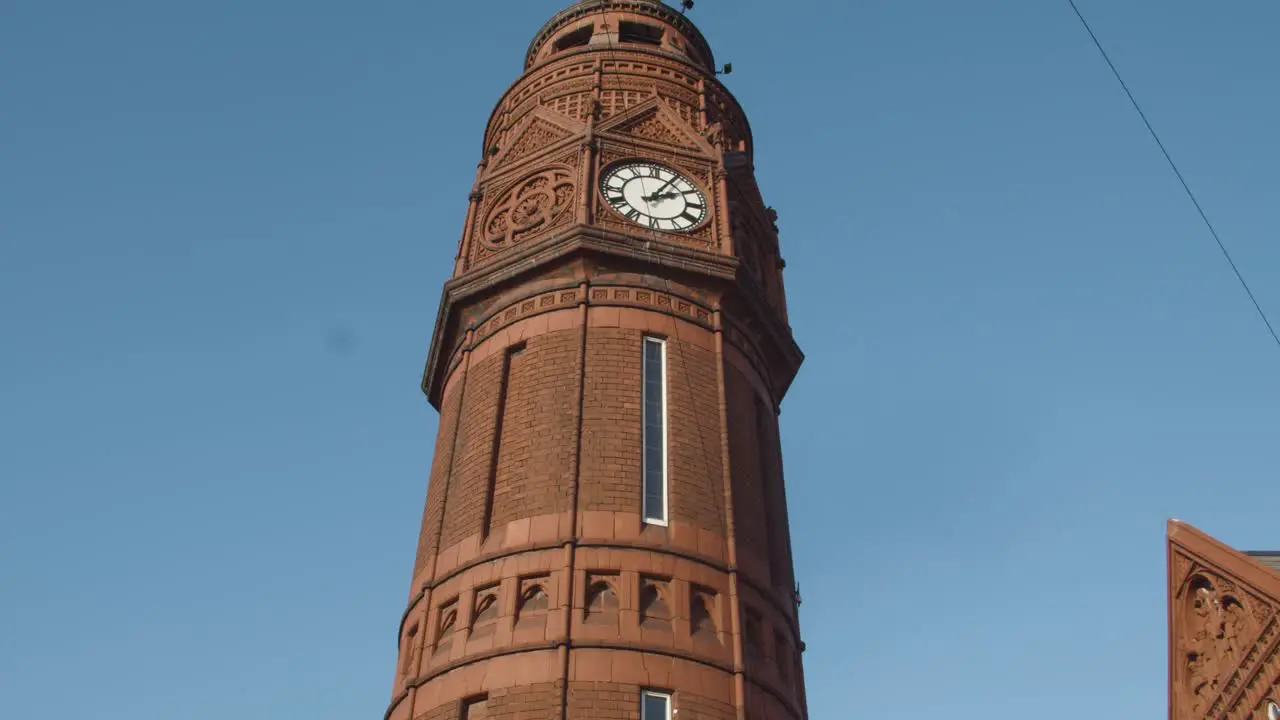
223, 231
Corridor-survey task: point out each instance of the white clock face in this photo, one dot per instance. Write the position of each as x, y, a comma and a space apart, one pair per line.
654, 196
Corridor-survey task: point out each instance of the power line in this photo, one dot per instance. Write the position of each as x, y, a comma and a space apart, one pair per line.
1174, 166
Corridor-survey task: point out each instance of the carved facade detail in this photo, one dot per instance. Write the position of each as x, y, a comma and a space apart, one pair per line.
533, 602
615, 102
576, 106
651, 127
1255, 677
1219, 626
538, 135
527, 89
446, 624
703, 614
655, 603
601, 603
411, 650
484, 612
647, 68
532, 206
723, 110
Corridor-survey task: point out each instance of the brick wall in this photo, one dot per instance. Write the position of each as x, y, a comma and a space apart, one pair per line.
621, 701
442, 460
465, 502
515, 413
537, 701
536, 453
744, 460
775, 495
695, 474
611, 431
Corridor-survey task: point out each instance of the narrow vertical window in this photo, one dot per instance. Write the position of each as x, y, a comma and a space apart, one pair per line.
654, 401
655, 705
476, 708
491, 487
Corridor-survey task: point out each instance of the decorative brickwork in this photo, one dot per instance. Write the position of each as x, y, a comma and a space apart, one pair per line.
1224, 640
606, 510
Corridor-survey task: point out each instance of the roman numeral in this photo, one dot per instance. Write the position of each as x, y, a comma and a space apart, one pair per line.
695, 206
692, 218
653, 223
633, 214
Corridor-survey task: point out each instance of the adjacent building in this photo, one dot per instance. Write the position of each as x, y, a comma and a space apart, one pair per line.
1224, 631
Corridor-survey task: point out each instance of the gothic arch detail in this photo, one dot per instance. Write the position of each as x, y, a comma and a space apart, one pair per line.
484, 616
411, 651
1218, 629
702, 614
447, 622
601, 602
655, 603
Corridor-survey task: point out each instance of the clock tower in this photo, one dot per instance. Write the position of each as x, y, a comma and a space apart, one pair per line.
606, 532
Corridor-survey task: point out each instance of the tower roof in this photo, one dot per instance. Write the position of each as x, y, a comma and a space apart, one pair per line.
651, 8
1270, 558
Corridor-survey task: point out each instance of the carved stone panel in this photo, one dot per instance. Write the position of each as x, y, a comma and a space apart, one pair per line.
1217, 629
530, 207
537, 135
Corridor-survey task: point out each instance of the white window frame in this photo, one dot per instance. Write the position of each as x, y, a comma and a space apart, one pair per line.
650, 517
664, 696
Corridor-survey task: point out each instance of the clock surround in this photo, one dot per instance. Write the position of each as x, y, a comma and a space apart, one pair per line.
654, 196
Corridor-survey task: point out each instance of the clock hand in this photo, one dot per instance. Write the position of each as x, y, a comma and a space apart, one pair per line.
658, 192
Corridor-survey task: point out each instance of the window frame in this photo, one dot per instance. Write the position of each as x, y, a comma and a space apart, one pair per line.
662, 517
664, 696
632, 32
579, 37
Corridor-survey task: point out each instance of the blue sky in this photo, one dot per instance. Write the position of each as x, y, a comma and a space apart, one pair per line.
223, 232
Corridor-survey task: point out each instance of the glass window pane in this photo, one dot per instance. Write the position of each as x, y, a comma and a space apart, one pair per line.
655, 707
654, 425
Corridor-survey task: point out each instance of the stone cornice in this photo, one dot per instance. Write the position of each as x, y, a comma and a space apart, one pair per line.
718, 271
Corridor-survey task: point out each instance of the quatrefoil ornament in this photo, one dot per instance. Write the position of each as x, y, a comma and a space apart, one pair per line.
529, 207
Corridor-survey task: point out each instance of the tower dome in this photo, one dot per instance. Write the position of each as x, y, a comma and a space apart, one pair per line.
633, 24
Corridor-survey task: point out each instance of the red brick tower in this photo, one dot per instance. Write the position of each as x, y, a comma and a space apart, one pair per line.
605, 533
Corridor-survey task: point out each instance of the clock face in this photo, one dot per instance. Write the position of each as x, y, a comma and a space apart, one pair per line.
654, 196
